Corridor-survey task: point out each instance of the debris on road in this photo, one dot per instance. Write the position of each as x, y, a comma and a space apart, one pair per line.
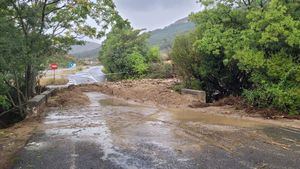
153, 91
68, 97
115, 133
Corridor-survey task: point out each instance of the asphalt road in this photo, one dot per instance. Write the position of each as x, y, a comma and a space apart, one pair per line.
93, 74
112, 134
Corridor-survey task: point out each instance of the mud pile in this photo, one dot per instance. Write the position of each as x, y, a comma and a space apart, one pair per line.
155, 91
68, 98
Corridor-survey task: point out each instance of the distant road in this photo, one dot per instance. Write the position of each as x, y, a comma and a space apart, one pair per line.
93, 74
89, 75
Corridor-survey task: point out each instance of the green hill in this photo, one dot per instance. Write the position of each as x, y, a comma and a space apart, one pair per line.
89, 50
164, 37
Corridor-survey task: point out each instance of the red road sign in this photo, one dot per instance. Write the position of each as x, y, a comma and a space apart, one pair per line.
53, 66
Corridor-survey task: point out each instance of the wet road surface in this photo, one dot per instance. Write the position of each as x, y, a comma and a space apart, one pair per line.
93, 74
113, 134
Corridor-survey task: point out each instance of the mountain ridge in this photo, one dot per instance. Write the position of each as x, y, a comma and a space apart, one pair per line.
89, 50
164, 37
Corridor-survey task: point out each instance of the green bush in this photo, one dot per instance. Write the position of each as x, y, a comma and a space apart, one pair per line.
4, 104
244, 48
137, 63
177, 87
160, 71
153, 55
274, 97
126, 54
271, 55
204, 68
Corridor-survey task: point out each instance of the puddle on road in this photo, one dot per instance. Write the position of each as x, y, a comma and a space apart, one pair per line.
117, 102
181, 115
89, 124
34, 146
188, 115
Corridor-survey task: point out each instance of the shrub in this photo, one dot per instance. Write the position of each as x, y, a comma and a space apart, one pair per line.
244, 48
126, 54
137, 63
160, 70
274, 97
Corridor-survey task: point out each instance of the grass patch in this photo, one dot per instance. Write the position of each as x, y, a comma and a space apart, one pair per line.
51, 81
70, 71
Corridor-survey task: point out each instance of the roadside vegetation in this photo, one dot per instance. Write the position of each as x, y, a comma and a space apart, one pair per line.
235, 50
51, 81
244, 48
34, 31
238, 48
126, 54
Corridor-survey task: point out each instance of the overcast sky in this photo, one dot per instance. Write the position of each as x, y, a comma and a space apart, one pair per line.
153, 14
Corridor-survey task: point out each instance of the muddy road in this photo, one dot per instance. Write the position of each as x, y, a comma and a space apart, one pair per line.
111, 133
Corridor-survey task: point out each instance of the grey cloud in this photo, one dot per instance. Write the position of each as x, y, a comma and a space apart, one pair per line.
142, 5
152, 14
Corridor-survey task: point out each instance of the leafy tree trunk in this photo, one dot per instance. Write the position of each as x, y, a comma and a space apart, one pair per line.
30, 82
20, 104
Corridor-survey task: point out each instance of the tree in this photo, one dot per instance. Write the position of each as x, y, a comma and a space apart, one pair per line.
270, 51
12, 65
186, 60
250, 47
125, 53
207, 52
32, 30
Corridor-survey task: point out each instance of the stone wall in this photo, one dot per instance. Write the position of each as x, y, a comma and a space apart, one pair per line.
199, 95
37, 103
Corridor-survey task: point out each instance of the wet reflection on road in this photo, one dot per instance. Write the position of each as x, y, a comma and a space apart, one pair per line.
90, 75
112, 133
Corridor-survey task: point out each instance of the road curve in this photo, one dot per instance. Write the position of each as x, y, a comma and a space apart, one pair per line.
93, 74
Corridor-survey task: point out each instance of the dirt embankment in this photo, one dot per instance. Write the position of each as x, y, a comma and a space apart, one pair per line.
152, 91
72, 96
159, 92
14, 138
